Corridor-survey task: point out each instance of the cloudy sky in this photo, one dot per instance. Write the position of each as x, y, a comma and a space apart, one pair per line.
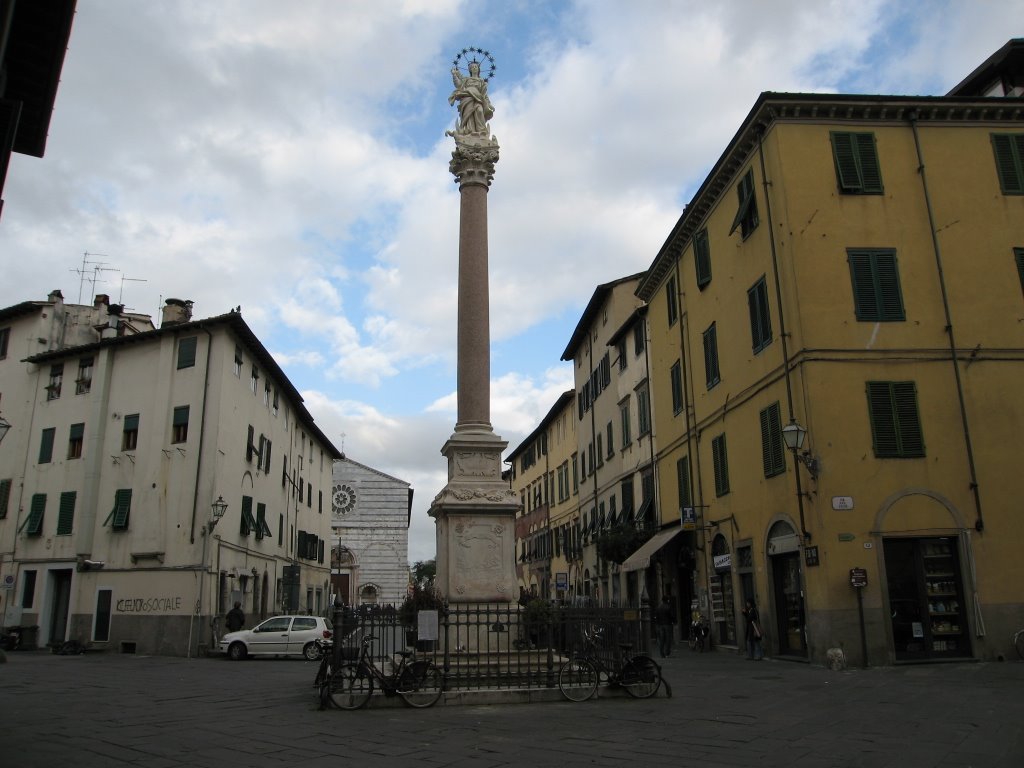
291, 158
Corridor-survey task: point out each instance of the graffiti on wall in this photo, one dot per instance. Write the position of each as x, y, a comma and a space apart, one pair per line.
149, 605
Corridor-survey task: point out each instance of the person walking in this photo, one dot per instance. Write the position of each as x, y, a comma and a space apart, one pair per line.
754, 634
665, 620
235, 619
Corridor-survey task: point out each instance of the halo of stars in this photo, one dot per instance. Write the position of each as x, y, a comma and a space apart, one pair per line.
466, 53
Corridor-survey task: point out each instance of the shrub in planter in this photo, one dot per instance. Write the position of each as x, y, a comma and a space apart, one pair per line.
621, 541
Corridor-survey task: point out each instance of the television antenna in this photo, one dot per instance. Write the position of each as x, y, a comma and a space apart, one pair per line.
97, 267
120, 295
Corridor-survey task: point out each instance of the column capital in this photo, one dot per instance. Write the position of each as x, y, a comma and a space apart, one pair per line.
473, 160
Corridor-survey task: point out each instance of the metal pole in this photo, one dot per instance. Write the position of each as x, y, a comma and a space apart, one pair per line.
863, 632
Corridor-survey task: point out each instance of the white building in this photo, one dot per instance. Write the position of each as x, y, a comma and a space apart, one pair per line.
124, 437
370, 521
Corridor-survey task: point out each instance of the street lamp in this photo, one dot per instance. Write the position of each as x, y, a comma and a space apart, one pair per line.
793, 435
219, 507
5, 427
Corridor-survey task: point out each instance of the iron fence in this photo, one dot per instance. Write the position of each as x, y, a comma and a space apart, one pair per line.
495, 646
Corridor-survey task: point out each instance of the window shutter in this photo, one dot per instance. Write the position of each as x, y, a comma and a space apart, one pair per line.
846, 162
246, 525
131, 423
867, 155
34, 522
889, 294
864, 304
66, 515
180, 416
683, 480
122, 509
261, 521
187, 351
248, 443
907, 419
5, 497
720, 461
266, 459
711, 373
1018, 254
77, 431
745, 192
883, 419
46, 445
1009, 151
702, 258
771, 441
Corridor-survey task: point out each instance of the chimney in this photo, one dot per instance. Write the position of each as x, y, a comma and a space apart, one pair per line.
100, 300
55, 296
176, 312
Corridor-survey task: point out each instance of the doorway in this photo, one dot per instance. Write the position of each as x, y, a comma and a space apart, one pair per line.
787, 590
60, 581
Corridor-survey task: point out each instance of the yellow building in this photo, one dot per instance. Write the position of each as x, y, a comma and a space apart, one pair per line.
543, 473
851, 273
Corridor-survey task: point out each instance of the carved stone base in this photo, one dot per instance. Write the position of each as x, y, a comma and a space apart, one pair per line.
475, 518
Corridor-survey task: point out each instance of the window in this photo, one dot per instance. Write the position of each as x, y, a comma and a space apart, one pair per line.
118, 517
575, 474
75, 439
683, 481
856, 158
56, 380
187, 351
247, 523
66, 513
276, 404
84, 381
611, 440
101, 621
261, 527
1009, 149
720, 459
5, 497
876, 285
179, 424
5, 337
624, 425
46, 445
265, 454
620, 348
638, 339
1018, 254
643, 408
772, 454
712, 376
676, 382
746, 215
266, 393
702, 258
33, 525
238, 361
130, 434
672, 297
28, 589
254, 379
895, 424
760, 321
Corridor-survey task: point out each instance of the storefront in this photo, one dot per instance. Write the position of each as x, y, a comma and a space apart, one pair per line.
787, 590
926, 598
723, 602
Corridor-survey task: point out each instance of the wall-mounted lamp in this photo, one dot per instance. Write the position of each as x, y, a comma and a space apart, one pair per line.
793, 435
5, 427
219, 507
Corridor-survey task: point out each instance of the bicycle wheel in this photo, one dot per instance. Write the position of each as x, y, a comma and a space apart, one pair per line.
1018, 643
350, 686
641, 677
420, 684
577, 680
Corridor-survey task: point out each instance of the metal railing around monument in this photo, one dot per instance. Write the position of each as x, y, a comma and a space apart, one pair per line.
499, 646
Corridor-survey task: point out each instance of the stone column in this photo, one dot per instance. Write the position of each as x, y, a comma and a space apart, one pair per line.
475, 512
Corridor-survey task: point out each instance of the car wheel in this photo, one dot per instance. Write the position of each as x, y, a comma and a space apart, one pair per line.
236, 651
311, 651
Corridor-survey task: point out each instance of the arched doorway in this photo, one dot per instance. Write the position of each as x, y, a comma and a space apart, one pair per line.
723, 603
787, 590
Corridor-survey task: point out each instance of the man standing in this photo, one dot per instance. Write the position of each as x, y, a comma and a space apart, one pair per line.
235, 619
665, 620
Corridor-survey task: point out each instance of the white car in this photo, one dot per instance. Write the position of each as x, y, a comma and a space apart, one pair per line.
279, 636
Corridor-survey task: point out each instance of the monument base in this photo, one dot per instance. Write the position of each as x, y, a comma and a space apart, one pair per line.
475, 518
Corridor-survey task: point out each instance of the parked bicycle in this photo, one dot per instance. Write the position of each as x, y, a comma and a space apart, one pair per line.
581, 674
418, 681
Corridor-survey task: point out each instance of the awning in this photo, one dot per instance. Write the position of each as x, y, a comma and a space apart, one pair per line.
642, 557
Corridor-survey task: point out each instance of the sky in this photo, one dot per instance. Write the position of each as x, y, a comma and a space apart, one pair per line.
291, 158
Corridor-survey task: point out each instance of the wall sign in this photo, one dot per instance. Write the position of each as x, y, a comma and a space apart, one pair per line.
842, 502
858, 578
811, 556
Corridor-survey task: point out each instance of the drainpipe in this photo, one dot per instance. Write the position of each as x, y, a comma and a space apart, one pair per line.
202, 436
784, 337
979, 523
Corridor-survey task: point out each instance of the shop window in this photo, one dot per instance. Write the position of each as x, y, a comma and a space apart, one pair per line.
28, 589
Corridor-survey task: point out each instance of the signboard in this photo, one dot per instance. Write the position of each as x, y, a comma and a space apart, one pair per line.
723, 562
562, 580
426, 625
842, 502
858, 578
811, 556
8, 582
846, 537
689, 518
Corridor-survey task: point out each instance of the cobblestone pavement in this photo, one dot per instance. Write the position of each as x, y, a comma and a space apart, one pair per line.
108, 711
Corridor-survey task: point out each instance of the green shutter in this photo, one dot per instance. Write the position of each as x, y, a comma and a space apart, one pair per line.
1009, 151
895, 422
118, 517
771, 441
846, 162
875, 278
66, 515
702, 257
856, 158
865, 305
760, 321
746, 213
187, 351
867, 156
683, 481
890, 297
5, 497
1018, 254
671, 297
33, 524
46, 445
711, 373
248, 522
77, 432
720, 460
261, 522
907, 419
131, 423
677, 387
883, 419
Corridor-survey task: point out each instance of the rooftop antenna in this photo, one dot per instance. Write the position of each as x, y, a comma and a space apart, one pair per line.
97, 267
124, 280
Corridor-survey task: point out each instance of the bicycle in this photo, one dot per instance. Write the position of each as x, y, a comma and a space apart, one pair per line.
1018, 642
418, 681
699, 631
581, 674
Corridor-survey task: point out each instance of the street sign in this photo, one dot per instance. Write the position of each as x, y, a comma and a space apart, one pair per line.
8, 581
561, 580
858, 578
689, 518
